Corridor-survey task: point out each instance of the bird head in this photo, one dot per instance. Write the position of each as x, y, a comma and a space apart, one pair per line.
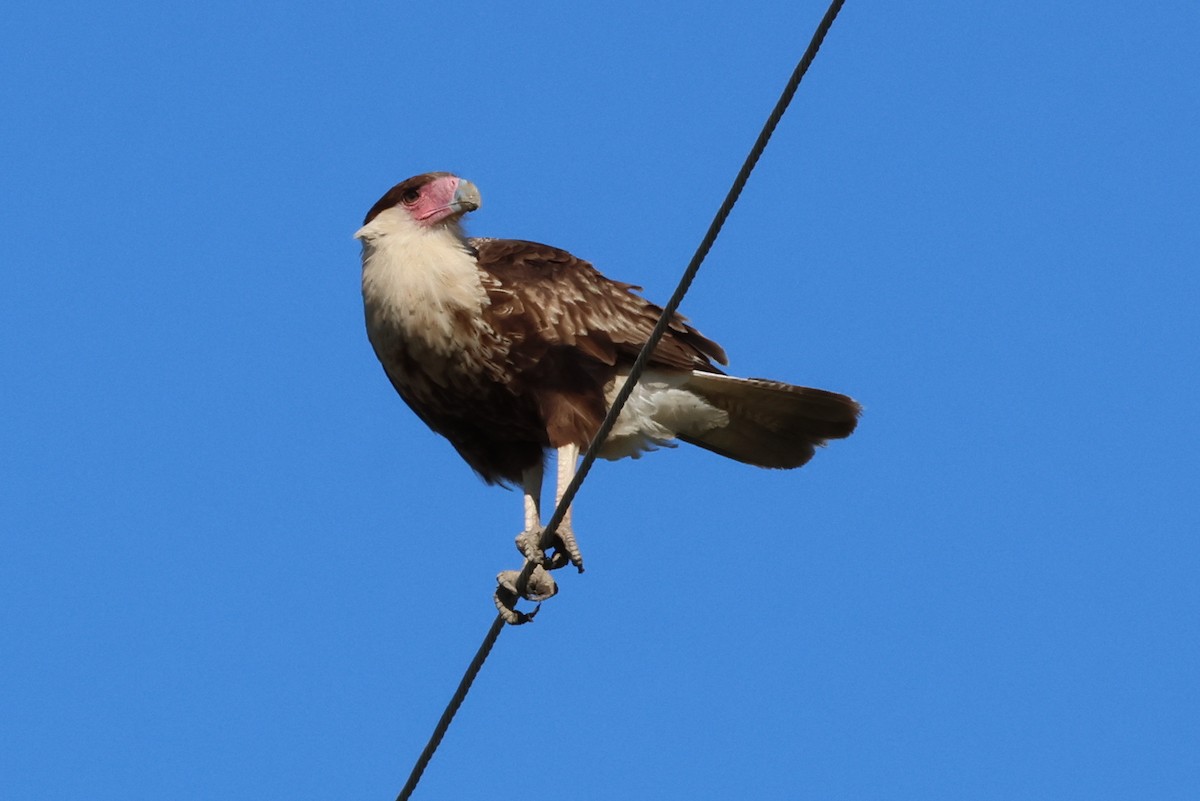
427, 200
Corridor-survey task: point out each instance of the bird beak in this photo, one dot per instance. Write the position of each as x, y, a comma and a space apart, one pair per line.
466, 197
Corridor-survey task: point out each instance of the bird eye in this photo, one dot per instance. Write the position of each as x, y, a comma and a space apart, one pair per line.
410, 196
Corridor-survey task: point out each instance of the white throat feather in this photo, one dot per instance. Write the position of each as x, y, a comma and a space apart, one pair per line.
421, 289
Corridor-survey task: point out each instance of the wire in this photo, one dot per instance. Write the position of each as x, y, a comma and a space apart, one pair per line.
639, 365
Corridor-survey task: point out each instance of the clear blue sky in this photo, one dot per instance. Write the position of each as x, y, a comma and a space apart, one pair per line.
234, 566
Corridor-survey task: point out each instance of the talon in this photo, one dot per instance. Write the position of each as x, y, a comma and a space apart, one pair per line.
528, 542
565, 547
539, 587
506, 605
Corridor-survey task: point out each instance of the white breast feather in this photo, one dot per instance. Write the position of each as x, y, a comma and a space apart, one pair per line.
419, 285
418, 282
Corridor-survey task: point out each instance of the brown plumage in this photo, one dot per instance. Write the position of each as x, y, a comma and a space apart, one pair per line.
568, 329
509, 348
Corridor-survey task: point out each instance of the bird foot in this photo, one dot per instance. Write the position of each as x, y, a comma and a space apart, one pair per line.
564, 543
539, 587
565, 548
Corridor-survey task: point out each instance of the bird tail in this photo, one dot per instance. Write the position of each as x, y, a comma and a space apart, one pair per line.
771, 424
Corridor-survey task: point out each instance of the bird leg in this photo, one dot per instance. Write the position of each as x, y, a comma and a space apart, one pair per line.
563, 540
529, 540
540, 585
568, 458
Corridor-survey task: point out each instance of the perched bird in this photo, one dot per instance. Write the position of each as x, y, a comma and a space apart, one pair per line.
510, 348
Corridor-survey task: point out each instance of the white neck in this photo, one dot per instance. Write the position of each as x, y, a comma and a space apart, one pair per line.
420, 286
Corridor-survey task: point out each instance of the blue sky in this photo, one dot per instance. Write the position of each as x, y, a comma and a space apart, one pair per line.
233, 565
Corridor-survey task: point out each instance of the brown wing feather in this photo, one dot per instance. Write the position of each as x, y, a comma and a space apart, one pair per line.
543, 297
568, 328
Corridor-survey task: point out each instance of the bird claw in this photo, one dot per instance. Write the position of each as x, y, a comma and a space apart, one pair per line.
563, 543
539, 587
566, 546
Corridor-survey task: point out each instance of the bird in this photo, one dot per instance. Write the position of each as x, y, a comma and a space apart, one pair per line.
511, 349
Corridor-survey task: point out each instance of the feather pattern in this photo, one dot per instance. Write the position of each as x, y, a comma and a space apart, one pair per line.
509, 348
543, 297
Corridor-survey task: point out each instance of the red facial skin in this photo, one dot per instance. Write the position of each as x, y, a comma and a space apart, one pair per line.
436, 201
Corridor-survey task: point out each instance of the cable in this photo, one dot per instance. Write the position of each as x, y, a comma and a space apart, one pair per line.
439, 731
664, 320
685, 282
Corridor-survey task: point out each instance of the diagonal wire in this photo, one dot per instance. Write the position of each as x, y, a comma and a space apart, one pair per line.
639, 365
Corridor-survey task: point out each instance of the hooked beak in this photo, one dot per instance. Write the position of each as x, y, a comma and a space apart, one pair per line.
466, 197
